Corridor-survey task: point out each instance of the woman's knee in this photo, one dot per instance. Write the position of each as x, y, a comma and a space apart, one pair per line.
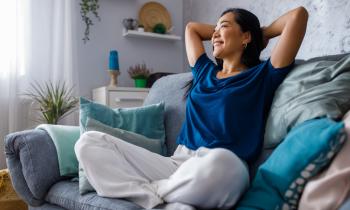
226, 167
217, 179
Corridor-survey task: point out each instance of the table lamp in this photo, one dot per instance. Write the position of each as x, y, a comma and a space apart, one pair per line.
113, 68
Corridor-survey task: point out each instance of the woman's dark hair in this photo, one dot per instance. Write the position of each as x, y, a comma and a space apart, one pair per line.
247, 22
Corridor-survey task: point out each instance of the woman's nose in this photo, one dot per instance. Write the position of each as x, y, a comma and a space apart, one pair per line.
215, 34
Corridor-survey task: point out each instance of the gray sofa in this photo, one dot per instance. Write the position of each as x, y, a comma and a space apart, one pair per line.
33, 165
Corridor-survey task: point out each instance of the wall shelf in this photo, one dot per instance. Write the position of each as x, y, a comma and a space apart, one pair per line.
134, 33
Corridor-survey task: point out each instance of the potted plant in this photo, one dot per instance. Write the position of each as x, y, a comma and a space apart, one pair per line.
87, 7
55, 101
159, 28
139, 73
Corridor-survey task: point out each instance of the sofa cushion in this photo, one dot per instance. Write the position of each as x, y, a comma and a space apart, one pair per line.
170, 90
312, 89
146, 120
153, 145
307, 149
46, 206
66, 194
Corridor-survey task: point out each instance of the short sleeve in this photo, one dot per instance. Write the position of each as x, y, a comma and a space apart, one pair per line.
202, 66
277, 75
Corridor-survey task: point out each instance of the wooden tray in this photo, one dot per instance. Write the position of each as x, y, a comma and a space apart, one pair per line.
152, 13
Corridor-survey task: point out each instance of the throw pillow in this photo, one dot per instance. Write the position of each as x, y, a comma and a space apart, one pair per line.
311, 90
329, 189
154, 145
307, 149
146, 120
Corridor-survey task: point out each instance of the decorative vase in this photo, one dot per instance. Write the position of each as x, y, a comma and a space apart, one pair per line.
141, 83
130, 24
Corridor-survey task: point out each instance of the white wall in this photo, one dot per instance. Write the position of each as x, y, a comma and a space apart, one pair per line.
328, 29
162, 56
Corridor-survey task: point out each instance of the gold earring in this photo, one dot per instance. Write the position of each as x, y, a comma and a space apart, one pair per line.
245, 45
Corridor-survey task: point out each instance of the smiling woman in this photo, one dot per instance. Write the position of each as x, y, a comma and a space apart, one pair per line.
222, 96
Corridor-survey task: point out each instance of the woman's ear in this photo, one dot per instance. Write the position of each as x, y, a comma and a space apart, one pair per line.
247, 37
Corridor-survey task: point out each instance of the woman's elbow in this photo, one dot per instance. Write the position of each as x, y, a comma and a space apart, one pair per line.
190, 25
301, 14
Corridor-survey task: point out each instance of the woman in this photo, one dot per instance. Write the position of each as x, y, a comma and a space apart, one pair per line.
227, 107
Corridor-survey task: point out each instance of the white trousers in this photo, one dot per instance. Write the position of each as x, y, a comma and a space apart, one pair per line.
205, 178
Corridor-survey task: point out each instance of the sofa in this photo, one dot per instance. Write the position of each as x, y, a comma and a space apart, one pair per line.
33, 164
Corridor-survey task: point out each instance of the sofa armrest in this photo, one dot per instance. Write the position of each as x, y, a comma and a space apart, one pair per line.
31, 158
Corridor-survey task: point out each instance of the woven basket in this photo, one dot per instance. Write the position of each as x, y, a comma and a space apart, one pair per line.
9, 199
153, 13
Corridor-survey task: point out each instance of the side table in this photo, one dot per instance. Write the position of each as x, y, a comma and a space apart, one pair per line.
120, 97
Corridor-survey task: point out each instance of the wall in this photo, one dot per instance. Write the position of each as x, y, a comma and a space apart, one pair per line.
328, 29
160, 55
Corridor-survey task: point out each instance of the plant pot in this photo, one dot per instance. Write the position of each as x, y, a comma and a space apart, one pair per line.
141, 83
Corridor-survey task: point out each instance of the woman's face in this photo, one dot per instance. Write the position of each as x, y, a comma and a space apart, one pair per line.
228, 37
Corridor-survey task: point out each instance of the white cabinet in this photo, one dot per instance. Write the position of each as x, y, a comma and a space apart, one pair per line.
120, 97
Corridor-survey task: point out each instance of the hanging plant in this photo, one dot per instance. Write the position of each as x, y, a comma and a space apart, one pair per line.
86, 8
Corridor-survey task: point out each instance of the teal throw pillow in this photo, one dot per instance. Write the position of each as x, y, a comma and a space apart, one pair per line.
307, 149
153, 145
146, 120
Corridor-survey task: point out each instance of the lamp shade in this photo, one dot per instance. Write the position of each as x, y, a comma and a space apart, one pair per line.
113, 60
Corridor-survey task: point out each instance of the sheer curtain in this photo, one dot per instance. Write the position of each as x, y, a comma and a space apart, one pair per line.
37, 44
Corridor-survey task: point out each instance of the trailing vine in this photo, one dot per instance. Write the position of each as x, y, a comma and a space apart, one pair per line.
87, 7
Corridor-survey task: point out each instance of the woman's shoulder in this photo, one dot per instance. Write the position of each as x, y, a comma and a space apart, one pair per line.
202, 60
279, 69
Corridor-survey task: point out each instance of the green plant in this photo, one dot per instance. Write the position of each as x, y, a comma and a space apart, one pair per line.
159, 28
87, 7
139, 71
55, 100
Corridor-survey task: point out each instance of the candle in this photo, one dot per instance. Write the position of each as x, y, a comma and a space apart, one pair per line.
113, 60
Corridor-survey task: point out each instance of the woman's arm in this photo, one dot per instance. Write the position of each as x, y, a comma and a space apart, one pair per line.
195, 34
291, 26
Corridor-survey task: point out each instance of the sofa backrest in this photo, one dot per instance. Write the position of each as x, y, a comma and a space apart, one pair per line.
170, 90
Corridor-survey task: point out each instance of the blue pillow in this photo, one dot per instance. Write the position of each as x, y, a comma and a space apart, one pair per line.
146, 120
307, 149
153, 145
